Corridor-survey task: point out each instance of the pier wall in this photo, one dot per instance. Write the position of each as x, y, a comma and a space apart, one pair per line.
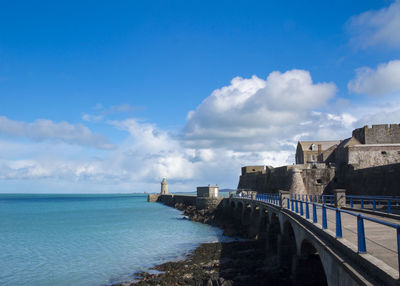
186, 200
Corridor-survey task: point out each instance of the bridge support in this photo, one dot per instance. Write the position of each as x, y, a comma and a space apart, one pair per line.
284, 196
340, 197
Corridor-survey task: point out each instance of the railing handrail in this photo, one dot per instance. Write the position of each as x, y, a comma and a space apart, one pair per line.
373, 197
293, 206
390, 224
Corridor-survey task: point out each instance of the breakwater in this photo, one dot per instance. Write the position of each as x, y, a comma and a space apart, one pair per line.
295, 240
186, 200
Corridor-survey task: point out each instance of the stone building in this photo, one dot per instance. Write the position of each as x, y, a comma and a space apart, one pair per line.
253, 178
366, 163
315, 151
301, 178
378, 134
164, 187
368, 147
208, 192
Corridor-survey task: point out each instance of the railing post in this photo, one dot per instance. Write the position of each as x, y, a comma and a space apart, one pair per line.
362, 203
301, 208
398, 247
361, 235
340, 197
297, 206
338, 224
284, 197
351, 203
324, 220
315, 218
292, 203
307, 211
374, 205
389, 208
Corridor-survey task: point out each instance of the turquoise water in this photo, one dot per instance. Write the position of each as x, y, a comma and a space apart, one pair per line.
90, 239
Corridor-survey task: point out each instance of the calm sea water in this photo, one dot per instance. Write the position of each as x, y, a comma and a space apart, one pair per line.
90, 239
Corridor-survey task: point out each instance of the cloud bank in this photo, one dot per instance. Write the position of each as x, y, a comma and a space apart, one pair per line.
377, 27
383, 80
42, 129
256, 114
250, 121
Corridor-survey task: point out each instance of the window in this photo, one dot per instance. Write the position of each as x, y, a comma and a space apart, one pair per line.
313, 157
383, 153
319, 181
312, 147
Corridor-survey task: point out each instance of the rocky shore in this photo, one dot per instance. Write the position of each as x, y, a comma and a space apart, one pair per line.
217, 264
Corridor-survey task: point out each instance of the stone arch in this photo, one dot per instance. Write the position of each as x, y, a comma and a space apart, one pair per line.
287, 247
256, 211
309, 266
263, 222
247, 214
239, 210
231, 208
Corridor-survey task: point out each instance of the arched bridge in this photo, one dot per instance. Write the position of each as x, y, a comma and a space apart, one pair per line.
334, 240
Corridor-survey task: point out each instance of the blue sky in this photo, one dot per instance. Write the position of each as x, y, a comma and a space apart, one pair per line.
100, 96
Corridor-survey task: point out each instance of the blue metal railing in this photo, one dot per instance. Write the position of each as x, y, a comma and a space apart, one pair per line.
300, 205
374, 203
325, 199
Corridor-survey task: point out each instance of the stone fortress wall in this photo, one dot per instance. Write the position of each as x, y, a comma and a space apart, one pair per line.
367, 163
301, 179
378, 134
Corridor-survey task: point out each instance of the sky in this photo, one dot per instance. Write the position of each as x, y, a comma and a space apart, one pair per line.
112, 96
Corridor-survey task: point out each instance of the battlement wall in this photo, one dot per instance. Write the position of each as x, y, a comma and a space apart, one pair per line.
378, 134
253, 169
301, 178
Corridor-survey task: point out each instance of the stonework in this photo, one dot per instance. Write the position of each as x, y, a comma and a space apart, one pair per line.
164, 187
371, 157
301, 178
297, 184
378, 134
315, 151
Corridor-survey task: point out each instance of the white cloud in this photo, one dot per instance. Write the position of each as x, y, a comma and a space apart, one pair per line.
378, 27
256, 114
43, 129
251, 121
385, 79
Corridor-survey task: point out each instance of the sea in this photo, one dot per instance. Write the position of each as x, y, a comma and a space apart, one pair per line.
90, 240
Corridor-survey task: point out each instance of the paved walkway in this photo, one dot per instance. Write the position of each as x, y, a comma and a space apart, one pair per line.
381, 240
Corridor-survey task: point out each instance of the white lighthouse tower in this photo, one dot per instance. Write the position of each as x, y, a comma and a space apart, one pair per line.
164, 187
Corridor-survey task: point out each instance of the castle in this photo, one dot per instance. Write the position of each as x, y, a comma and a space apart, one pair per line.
368, 163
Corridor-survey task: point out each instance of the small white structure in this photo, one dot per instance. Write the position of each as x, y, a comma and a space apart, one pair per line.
208, 192
164, 187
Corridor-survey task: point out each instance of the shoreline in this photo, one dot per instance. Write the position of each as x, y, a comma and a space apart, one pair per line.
244, 262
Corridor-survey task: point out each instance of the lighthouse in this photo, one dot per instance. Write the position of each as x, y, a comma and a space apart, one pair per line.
164, 187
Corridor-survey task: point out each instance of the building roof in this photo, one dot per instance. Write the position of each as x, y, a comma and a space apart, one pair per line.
348, 142
305, 145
